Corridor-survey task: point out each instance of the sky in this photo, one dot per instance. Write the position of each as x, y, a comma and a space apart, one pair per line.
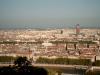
49, 13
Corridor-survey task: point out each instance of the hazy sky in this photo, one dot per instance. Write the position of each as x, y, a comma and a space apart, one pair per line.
32, 13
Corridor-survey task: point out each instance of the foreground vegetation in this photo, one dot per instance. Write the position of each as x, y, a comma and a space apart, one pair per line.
22, 66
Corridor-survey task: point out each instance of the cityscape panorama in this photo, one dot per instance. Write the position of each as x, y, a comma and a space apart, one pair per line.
49, 37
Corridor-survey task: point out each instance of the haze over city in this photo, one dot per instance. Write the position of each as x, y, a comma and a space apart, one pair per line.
49, 13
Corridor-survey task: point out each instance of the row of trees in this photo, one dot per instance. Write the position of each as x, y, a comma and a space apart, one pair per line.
7, 58
66, 61
73, 42
93, 72
58, 41
96, 63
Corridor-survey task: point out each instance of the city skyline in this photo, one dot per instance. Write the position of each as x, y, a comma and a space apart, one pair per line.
49, 13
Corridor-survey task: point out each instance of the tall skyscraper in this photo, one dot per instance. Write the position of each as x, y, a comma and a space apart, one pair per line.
77, 29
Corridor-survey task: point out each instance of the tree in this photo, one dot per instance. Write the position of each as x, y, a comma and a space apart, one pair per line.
22, 61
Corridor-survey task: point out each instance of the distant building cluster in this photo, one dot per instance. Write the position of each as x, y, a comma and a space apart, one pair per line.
70, 43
